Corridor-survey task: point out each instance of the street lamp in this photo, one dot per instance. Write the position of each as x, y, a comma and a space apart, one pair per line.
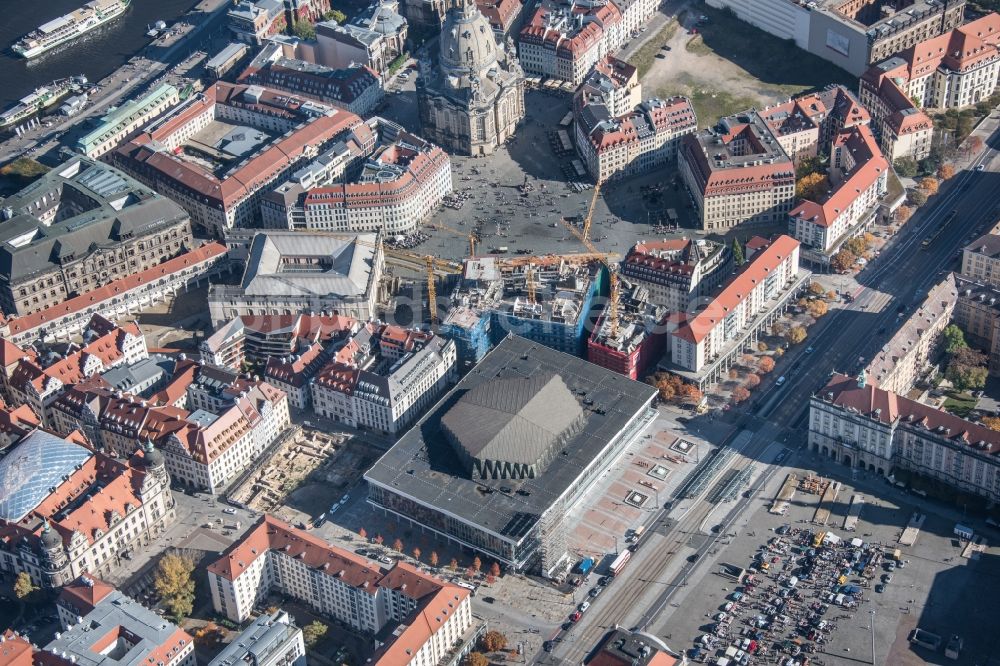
872, 611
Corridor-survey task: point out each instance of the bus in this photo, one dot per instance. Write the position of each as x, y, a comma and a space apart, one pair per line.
469, 586
620, 562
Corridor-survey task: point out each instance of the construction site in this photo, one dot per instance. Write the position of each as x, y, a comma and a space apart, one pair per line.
306, 454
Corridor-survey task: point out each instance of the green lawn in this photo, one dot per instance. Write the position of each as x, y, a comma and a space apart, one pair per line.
959, 404
643, 59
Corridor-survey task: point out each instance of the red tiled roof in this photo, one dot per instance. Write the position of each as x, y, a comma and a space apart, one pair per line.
698, 327
83, 594
116, 288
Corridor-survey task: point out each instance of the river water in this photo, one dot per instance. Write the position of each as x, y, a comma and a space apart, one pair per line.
97, 54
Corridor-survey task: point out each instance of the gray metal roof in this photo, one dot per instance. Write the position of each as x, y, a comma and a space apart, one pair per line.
423, 466
111, 208
515, 419
343, 265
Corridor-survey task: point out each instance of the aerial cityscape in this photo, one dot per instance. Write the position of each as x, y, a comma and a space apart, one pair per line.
487, 332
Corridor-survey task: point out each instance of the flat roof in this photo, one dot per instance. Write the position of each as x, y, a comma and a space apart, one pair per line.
422, 465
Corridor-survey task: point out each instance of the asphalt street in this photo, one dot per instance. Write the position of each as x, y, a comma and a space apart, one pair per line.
846, 338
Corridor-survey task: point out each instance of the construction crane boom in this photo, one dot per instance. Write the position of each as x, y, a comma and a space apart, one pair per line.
590, 211
529, 280
431, 290
612, 275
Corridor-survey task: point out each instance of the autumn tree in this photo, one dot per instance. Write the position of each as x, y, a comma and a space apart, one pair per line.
495, 569
753, 380
831, 295
490, 579
945, 171
434, 558
817, 289
397, 545
476, 659
175, 585
692, 393
493, 641
975, 144
778, 328
378, 540
762, 346
747, 360
929, 184
766, 364
416, 553
991, 422
470, 572
903, 213
811, 186
734, 373
740, 394
23, 586
363, 533
453, 565
967, 369
477, 564
817, 308
796, 335
856, 246
843, 260
314, 632
917, 197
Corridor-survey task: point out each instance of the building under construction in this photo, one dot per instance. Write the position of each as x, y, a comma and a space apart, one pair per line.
638, 341
548, 299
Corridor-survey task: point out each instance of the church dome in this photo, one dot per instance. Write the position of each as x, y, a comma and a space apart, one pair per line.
468, 45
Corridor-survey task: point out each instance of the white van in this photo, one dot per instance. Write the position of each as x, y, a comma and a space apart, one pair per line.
781, 381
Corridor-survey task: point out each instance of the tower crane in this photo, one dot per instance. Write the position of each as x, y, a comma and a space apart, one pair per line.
431, 290
529, 281
590, 211
612, 269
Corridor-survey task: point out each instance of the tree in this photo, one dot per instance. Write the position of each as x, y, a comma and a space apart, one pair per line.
975, 144
23, 585
174, 584
954, 339
762, 346
335, 15
856, 245
906, 167
991, 422
766, 364
24, 169
304, 29
314, 632
693, 394
453, 565
363, 533
490, 579
945, 171
753, 381
734, 373
493, 641
903, 213
477, 564
747, 361
929, 185
967, 369
378, 540
796, 335
476, 659
817, 308
807, 165
738, 257
831, 295
843, 260
917, 197
397, 545
433, 558
470, 572
740, 394
817, 289
778, 328
416, 553
811, 186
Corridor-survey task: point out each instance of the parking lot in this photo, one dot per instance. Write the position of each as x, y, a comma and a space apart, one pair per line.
924, 592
